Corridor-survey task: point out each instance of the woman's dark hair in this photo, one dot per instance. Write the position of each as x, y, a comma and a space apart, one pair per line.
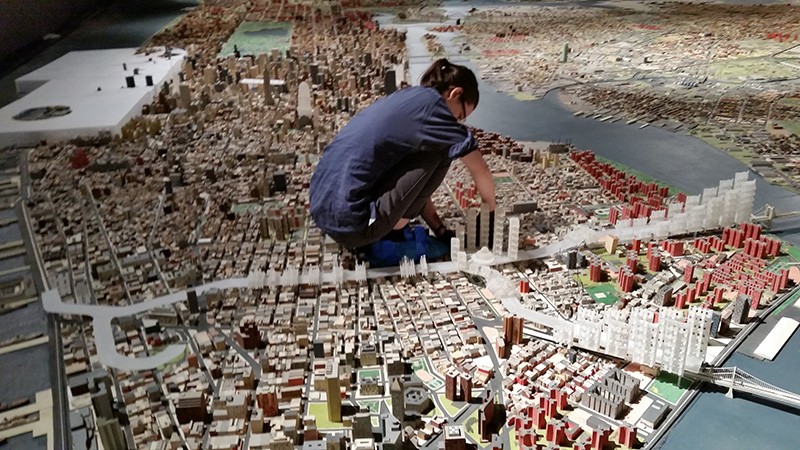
443, 75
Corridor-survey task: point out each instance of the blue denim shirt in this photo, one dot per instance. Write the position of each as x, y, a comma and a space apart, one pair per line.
410, 120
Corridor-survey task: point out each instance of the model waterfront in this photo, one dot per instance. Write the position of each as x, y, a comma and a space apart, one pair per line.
464, 336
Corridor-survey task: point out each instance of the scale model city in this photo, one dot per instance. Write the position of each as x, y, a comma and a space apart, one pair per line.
198, 306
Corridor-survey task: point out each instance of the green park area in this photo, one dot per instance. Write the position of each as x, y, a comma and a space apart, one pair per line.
669, 386
792, 251
374, 406
599, 211
786, 303
716, 137
471, 426
452, 408
789, 101
781, 262
425, 374
600, 292
792, 126
178, 358
603, 293
611, 257
320, 412
368, 373
741, 69
434, 412
252, 38
512, 436
740, 154
244, 208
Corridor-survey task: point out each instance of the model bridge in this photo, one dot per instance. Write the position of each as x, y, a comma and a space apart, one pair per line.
738, 380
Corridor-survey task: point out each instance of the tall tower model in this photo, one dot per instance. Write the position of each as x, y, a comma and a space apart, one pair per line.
111, 434
513, 237
332, 389
483, 239
398, 399
471, 230
499, 224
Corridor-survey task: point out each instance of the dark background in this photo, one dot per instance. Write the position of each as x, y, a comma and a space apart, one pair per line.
82, 25
23, 23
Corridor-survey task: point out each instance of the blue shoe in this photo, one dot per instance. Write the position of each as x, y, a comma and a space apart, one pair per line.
389, 252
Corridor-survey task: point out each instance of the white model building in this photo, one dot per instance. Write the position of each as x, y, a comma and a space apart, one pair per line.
455, 247
590, 329
461, 261
407, 268
642, 345
699, 321
513, 237
423, 265
673, 340
483, 257
617, 334
338, 271
290, 275
311, 275
676, 342
499, 225
360, 272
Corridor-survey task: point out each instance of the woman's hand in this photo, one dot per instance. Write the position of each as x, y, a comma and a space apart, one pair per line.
482, 176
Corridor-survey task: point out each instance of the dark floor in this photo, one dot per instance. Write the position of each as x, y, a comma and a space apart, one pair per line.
121, 24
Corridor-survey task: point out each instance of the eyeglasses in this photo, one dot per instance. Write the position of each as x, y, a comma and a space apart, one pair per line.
463, 116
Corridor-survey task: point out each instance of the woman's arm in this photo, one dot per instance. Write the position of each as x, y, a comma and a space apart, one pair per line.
482, 176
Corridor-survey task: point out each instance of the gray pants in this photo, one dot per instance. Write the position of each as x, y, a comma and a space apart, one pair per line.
402, 193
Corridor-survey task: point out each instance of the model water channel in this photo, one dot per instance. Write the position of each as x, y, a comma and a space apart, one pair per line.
712, 421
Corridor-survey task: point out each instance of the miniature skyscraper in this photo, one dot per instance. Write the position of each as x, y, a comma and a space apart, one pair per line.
461, 261
185, 96
111, 434
397, 392
485, 232
741, 309
389, 82
333, 391
191, 297
362, 425
471, 231
455, 247
268, 100
305, 109
499, 224
513, 237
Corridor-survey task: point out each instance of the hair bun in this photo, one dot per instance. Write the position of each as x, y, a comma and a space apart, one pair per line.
443, 74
